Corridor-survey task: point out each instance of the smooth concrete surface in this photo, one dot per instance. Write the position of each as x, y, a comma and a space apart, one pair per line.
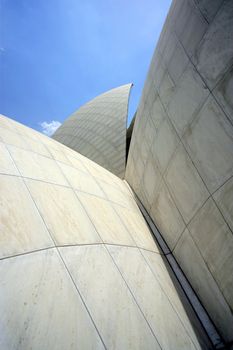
180, 162
98, 129
79, 267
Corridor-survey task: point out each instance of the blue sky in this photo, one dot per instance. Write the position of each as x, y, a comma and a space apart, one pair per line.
58, 54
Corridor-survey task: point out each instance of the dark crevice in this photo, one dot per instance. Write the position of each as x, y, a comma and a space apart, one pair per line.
129, 135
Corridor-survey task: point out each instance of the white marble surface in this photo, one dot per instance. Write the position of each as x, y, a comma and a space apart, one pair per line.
63, 214
38, 167
137, 227
22, 229
7, 165
174, 293
106, 220
112, 306
152, 299
80, 180
40, 306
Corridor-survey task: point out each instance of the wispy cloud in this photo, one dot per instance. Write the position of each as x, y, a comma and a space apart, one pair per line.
50, 128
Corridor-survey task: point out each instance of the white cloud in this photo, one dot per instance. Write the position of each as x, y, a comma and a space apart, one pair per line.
50, 128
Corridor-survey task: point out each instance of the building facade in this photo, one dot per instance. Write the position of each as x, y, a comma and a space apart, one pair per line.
91, 260
180, 162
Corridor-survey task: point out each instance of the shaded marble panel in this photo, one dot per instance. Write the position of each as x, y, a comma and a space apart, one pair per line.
167, 217
185, 184
188, 98
214, 55
215, 242
210, 143
204, 285
224, 200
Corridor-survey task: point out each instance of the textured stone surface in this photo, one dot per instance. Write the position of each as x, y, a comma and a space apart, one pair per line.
106, 220
215, 242
63, 214
7, 165
193, 264
187, 99
174, 293
151, 179
209, 8
210, 144
167, 216
40, 306
224, 92
98, 129
164, 144
136, 226
35, 166
224, 200
213, 57
185, 184
180, 162
108, 296
150, 295
20, 221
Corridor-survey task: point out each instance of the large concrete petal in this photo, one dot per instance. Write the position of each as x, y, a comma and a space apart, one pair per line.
98, 129
178, 166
